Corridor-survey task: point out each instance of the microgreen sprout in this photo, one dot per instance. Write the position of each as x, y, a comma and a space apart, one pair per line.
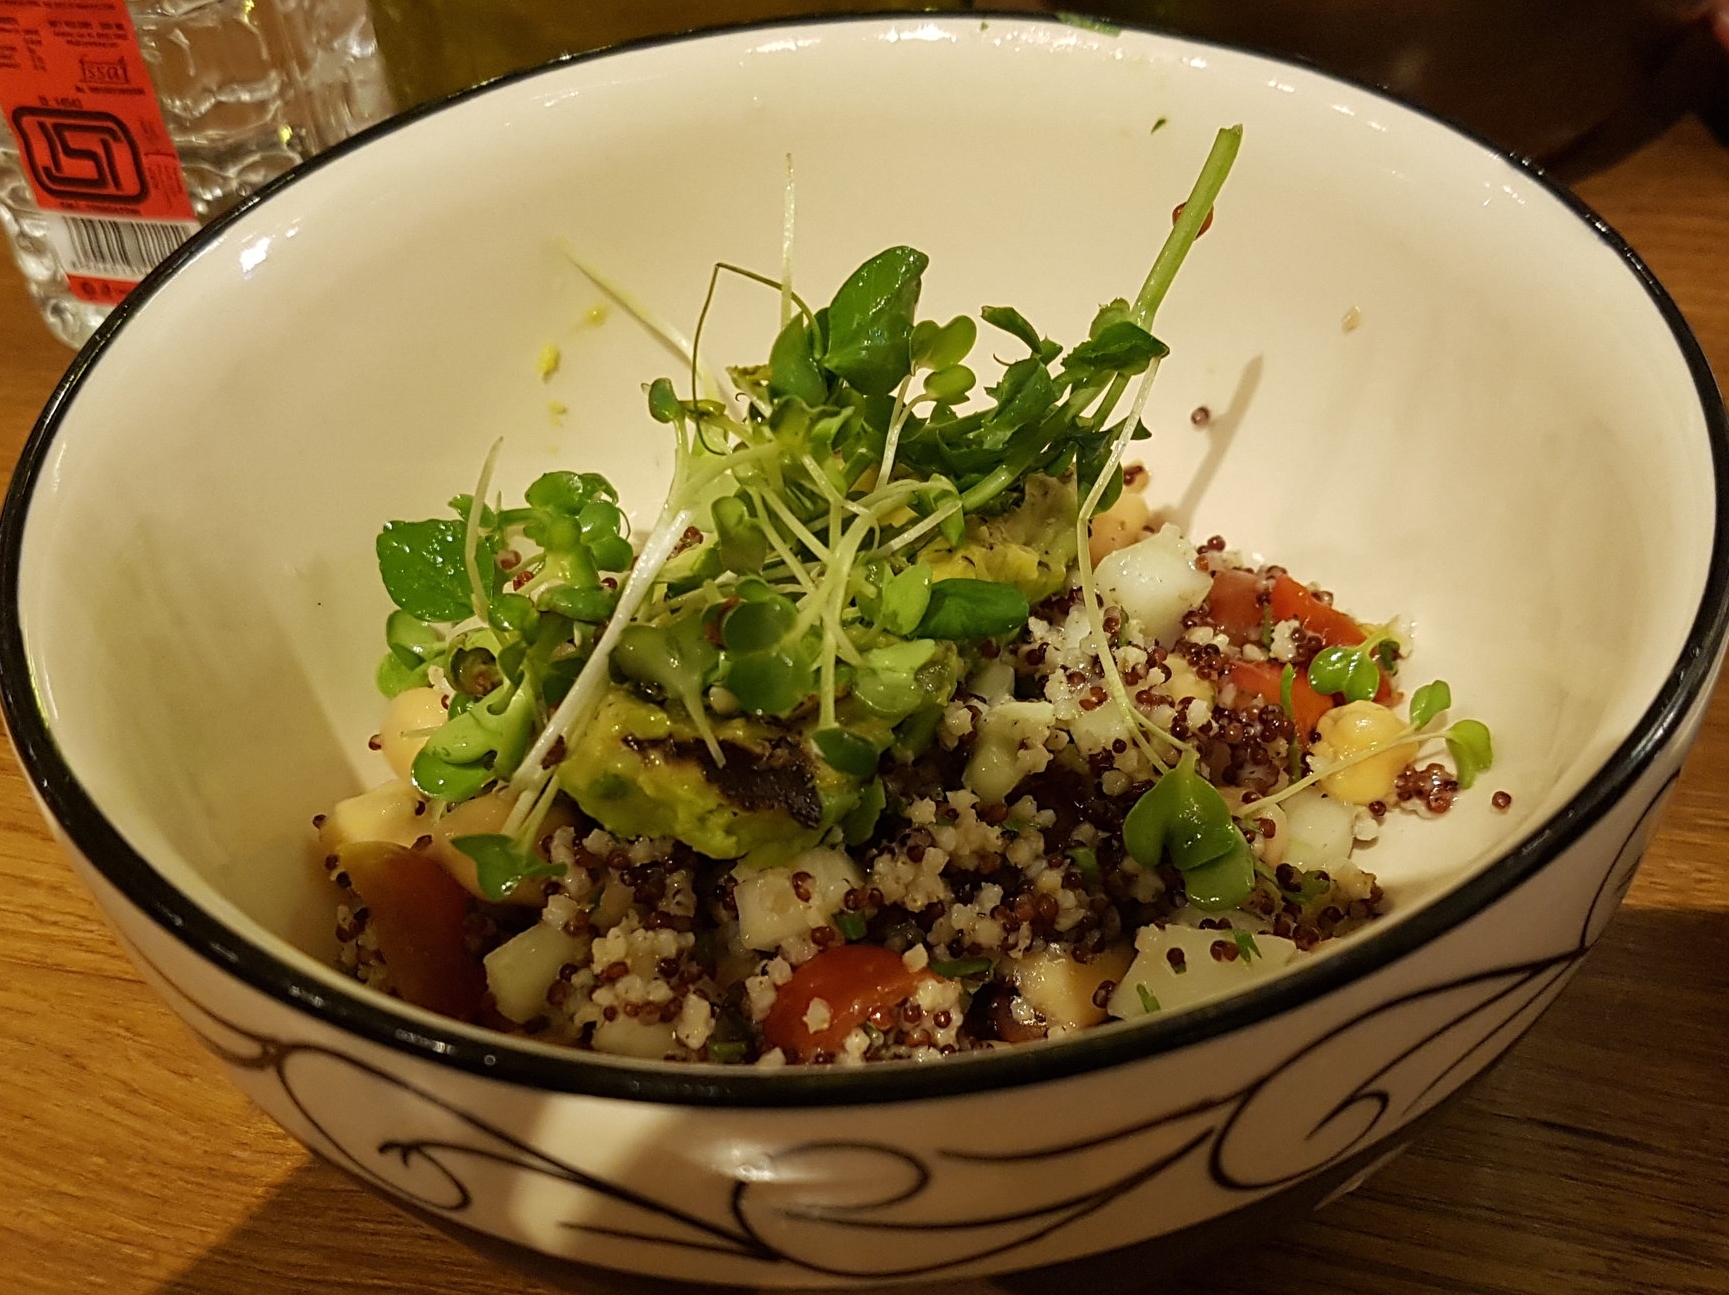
1184, 231
796, 567
1429, 701
1472, 750
1355, 669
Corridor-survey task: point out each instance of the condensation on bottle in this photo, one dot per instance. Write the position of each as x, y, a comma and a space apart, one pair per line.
245, 89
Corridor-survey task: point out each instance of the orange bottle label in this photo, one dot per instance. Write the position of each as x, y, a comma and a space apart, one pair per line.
78, 99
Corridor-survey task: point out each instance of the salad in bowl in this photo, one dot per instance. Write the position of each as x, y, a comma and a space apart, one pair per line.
906, 730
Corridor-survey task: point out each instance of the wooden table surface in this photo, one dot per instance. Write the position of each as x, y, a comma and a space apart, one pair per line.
1595, 1159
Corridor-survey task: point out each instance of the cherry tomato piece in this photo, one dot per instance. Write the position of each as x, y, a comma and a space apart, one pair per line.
855, 981
1292, 601
1262, 679
1235, 606
418, 913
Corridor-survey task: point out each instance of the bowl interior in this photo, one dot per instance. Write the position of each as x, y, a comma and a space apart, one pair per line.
1507, 446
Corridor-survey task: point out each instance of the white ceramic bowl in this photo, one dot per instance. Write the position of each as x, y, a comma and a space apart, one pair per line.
1518, 445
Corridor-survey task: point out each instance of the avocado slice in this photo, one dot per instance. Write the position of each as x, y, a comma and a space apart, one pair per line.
641, 769
1031, 546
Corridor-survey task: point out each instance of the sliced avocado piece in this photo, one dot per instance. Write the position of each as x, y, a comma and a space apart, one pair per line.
1031, 546
643, 770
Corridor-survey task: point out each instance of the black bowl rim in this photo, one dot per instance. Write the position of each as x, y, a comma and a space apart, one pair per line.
379, 1020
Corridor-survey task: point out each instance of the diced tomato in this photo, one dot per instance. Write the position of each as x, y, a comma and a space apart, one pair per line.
418, 913
1258, 679
856, 981
1262, 679
1292, 601
1234, 604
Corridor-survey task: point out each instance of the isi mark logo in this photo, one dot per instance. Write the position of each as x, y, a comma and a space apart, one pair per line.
74, 154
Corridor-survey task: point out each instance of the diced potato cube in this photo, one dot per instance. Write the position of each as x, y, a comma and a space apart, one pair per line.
769, 909
1184, 682
1062, 989
1321, 829
1155, 581
1119, 526
393, 811
1154, 984
1095, 729
629, 1037
483, 816
519, 971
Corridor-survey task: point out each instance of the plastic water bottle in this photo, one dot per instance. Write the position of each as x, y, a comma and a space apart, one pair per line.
129, 124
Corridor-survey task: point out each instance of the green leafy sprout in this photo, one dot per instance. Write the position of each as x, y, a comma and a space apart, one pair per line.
793, 570
793, 566
1355, 670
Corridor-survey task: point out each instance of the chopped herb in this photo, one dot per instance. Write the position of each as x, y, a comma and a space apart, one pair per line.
1149, 1004
1246, 945
1287, 686
963, 968
1086, 861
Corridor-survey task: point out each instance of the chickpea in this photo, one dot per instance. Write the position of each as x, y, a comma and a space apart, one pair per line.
408, 721
1119, 526
1270, 850
481, 816
1346, 733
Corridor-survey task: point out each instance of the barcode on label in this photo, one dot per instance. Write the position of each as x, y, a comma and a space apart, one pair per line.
115, 249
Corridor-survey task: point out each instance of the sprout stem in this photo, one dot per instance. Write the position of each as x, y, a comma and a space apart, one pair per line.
478, 588
789, 210
573, 712
1187, 227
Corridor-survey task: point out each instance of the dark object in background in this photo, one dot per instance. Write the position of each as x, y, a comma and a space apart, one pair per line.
1575, 84
432, 48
